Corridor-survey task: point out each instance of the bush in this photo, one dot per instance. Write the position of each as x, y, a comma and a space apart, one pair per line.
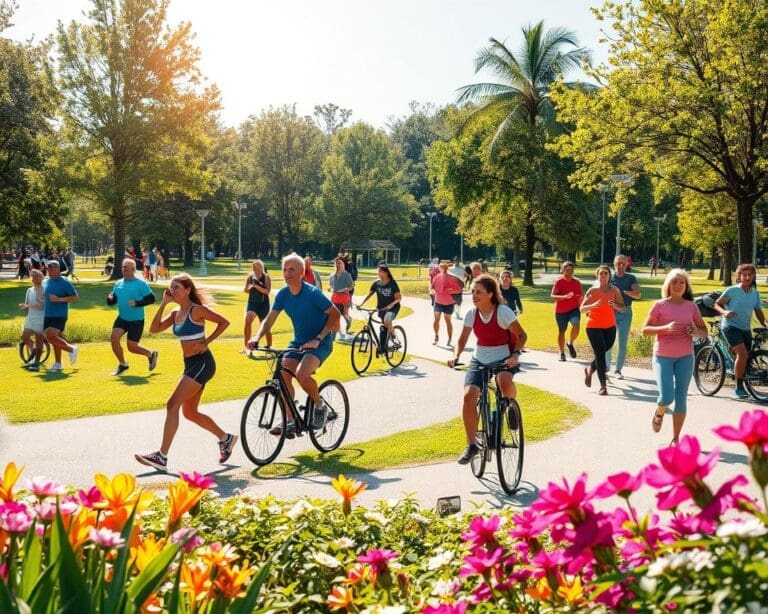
639, 345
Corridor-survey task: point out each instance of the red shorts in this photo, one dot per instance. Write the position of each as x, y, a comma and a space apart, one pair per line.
341, 298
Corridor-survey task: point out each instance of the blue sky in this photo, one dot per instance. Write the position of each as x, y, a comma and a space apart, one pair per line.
371, 57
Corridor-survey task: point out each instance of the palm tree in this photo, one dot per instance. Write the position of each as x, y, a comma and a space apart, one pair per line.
523, 94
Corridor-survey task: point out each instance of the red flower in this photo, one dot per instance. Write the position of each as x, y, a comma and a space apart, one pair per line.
557, 503
482, 532
622, 484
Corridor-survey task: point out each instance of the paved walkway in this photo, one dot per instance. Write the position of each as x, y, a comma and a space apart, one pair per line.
419, 393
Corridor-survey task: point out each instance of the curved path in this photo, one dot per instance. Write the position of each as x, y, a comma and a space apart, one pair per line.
421, 392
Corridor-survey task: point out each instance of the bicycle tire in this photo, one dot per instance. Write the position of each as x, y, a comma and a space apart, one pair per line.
26, 355
479, 460
362, 351
709, 370
756, 377
262, 411
510, 446
330, 436
397, 344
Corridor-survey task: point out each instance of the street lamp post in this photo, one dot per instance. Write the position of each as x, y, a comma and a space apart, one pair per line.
430, 215
240, 208
71, 229
603, 189
461, 248
202, 213
626, 179
659, 220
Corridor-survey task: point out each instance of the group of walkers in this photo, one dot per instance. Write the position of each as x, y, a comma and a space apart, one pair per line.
36, 261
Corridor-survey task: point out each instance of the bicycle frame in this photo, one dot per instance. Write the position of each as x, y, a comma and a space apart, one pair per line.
285, 394
369, 325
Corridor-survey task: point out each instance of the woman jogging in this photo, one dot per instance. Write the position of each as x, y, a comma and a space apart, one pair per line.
674, 320
388, 299
499, 338
34, 303
601, 302
257, 285
188, 324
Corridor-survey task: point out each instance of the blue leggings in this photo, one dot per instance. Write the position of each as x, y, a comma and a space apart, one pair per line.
672, 377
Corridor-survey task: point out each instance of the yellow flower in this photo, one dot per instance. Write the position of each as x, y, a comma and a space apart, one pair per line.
340, 598
217, 555
147, 550
120, 493
348, 489
541, 591
78, 525
10, 475
231, 580
572, 592
196, 580
181, 498
357, 573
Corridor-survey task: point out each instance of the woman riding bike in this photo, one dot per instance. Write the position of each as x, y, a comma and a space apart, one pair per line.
388, 299
499, 339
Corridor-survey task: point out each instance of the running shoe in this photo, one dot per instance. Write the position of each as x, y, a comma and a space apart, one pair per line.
55, 367
153, 360
318, 417
619, 375
226, 447
120, 369
468, 454
33, 367
155, 460
740, 393
73, 355
562, 356
571, 350
290, 430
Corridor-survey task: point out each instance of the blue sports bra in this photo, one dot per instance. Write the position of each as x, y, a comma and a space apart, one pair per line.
188, 330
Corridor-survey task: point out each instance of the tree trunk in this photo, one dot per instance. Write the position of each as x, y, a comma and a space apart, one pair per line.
727, 263
516, 257
530, 240
744, 217
712, 256
118, 217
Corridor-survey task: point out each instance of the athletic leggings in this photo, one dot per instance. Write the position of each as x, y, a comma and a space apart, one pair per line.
673, 375
601, 340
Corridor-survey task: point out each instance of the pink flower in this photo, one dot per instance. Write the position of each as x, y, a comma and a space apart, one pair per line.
378, 559
481, 561
203, 482
15, 517
106, 538
622, 484
685, 525
547, 562
188, 537
523, 528
556, 503
90, 498
446, 608
42, 487
682, 471
4, 572
725, 498
752, 429
482, 531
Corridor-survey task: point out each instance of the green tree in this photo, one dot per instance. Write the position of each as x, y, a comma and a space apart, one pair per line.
30, 204
363, 194
134, 108
522, 97
330, 117
685, 97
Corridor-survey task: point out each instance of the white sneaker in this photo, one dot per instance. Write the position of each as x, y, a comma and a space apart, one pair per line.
55, 367
73, 355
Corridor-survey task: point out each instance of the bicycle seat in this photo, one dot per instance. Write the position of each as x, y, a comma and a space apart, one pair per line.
760, 330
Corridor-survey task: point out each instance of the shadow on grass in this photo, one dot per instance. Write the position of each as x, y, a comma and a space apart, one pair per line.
135, 380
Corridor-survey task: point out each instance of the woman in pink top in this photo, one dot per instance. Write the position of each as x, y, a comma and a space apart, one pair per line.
443, 287
675, 320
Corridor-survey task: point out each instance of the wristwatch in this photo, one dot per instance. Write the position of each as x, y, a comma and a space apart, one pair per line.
318, 338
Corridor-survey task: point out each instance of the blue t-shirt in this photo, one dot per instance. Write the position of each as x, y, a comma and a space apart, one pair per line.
625, 283
306, 310
60, 287
743, 303
124, 291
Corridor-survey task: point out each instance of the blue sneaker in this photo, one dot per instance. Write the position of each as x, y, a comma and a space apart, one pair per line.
740, 393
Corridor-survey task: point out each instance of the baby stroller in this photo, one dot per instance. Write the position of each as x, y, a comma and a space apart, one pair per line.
109, 265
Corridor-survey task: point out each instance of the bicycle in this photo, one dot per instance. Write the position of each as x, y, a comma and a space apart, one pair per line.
367, 339
267, 409
714, 362
500, 430
27, 355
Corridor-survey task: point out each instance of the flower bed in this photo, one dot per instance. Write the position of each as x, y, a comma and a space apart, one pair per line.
112, 548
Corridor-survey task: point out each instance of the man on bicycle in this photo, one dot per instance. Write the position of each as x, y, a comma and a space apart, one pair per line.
314, 318
499, 339
736, 304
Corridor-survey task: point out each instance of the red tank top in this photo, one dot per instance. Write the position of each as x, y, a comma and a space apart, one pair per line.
491, 334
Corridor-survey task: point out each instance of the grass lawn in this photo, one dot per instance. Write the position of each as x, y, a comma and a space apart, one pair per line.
545, 415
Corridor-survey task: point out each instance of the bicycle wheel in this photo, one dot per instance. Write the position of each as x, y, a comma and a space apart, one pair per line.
756, 377
362, 351
477, 464
26, 355
510, 446
397, 344
330, 436
709, 370
263, 411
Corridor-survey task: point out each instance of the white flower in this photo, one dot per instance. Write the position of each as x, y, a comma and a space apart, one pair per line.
377, 517
389, 609
298, 509
648, 584
751, 527
326, 560
441, 559
445, 588
422, 519
394, 502
274, 509
344, 542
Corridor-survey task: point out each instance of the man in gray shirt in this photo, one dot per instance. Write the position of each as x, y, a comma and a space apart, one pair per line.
630, 291
340, 285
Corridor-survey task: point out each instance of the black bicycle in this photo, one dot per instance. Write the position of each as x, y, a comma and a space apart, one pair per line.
367, 340
265, 415
26, 354
499, 430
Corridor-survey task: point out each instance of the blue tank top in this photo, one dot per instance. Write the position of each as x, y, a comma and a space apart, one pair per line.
188, 330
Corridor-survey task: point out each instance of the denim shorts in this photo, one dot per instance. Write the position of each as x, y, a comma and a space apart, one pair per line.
573, 316
475, 376
736, 336
446, 309
322, 352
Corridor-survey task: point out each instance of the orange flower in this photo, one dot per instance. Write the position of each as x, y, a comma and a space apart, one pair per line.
78, 525
572, 592
147, 550
231, 580
120, 493
181, 498
340, 598
357, 573
541, 591
152, 605
10, 475
217, 555
196, 580
348, 489
4, 539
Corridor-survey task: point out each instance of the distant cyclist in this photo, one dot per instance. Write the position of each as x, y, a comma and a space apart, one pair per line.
388, 299
314, 318
500, 338
34, 303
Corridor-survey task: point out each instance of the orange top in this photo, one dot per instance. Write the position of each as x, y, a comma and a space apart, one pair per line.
602, 316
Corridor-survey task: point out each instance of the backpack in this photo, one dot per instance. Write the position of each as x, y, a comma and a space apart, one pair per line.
706, 304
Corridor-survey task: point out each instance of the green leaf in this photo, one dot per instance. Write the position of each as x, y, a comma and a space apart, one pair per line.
6, 601
42, 594
148, 580
30, 569
173, 598
116, 593
247, 604
75, 596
